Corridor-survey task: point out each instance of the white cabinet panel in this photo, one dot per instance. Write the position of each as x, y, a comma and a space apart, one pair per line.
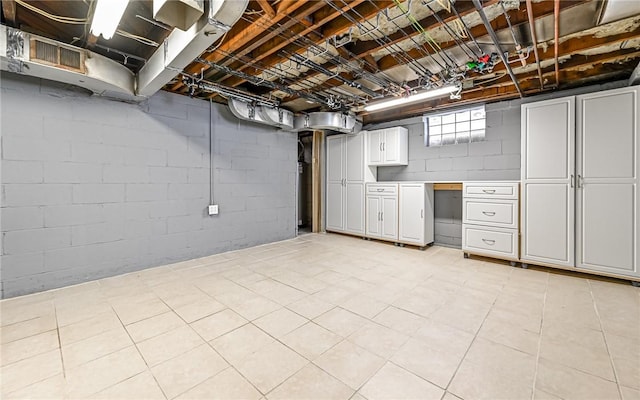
547, 224
388, 146
494, 190
389, 217
355, 207
391, 146
548, 139
491, 212
375, 139
335, 159
606, 134
502, 243
411, 213
606, 227
335, 206
355, 172
374, 209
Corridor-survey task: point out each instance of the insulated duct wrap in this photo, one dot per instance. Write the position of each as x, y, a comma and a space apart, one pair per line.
335, 121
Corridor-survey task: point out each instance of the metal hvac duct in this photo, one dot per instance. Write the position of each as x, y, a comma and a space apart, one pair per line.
277, 117
32, 55
335, 121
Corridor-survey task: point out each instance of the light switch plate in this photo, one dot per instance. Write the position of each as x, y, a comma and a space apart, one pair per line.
213, 209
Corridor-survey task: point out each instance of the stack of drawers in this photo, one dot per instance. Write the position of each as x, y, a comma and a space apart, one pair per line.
490, 216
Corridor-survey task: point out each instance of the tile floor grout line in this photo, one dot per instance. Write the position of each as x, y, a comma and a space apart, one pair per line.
55, 315
140, 354
544, 305
604, 337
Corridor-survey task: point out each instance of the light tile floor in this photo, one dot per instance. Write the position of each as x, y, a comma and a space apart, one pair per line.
326, 317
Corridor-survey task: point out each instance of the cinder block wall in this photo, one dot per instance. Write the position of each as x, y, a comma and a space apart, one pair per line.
495, 158
93, 187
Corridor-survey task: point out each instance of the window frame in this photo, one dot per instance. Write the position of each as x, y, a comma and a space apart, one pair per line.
456, 122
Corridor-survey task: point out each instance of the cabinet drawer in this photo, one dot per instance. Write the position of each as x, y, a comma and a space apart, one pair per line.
382, 189
490, 241
491, 212
491, 190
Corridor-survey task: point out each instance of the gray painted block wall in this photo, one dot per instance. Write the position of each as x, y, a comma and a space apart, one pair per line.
495, 158
93, 187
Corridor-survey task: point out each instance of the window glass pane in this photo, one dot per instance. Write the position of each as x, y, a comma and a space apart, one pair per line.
449, 139
436, 130
463, 116
478, 124
448, 118
449, 128
477, 113
435, 140
477, 136
462, 137
462, 126
435, 120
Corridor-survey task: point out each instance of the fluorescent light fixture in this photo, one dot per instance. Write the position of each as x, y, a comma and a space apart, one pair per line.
427, 94
107, 16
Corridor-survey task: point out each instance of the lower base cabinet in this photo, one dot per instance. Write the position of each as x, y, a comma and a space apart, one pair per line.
400, 212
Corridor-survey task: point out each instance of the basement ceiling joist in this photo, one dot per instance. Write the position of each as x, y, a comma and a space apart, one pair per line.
341, 54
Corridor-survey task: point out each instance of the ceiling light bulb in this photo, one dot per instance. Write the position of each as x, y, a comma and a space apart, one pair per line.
428, 94
107, 16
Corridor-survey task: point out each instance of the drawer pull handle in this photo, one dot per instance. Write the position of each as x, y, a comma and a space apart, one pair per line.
380, 190
490, 191
489, 241
489, 213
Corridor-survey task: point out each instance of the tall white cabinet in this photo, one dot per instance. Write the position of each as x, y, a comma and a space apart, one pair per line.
347, 173
580, 182
415, 213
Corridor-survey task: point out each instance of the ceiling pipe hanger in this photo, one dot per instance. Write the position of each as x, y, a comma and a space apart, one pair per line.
496, 42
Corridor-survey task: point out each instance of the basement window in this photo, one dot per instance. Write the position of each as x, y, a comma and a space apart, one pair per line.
462, 126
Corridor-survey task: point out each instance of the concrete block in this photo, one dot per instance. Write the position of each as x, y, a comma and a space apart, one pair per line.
97, 153
36, 240
485, 148
468, 163
98, 193
511, 116
188, 191
19, 218
147, 157
20, 265
511, 146
185, 159
125, 174
145, 228
24, 125
167, 106
167, 175
57, 129
70, 172
97, 233
22, 171
453, 150
510, 161
496, 174
445, 176
21, 148
440, 164
451, 230
198, 175
146, 191
231, 176
73, 214
24, 195
164, 209
186, 223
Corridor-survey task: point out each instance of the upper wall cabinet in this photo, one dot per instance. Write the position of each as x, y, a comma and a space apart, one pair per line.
388, 147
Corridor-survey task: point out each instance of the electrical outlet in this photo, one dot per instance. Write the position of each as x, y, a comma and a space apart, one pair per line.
213, 209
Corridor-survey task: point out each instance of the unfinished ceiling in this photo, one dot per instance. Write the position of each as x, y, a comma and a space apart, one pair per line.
343, 54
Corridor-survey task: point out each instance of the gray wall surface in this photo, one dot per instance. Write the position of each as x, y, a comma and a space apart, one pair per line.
93, 187
495, 158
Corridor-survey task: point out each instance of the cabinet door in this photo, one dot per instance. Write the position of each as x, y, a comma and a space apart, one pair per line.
355, 146
373, 210
391, 146
375, 139
548, 196
390, 218
411, 215
335, 207
354, 208
607, 194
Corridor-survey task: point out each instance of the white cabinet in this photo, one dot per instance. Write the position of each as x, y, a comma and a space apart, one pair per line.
387, 147
382, 211
415, 214
607, 168
347, 173
490, 219
580, 182
548, 148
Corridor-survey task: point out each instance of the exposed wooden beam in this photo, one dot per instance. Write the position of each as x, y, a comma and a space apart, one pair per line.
9, 11
264, 4
241, 36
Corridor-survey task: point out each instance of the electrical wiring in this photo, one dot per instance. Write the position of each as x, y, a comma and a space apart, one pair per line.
57, 18
137, 38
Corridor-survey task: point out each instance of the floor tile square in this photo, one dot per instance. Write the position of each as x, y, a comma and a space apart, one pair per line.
351, 364
392, 382
311, 340
218, 324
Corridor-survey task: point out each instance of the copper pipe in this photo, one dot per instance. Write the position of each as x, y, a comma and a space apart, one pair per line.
532, 28
556, 17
